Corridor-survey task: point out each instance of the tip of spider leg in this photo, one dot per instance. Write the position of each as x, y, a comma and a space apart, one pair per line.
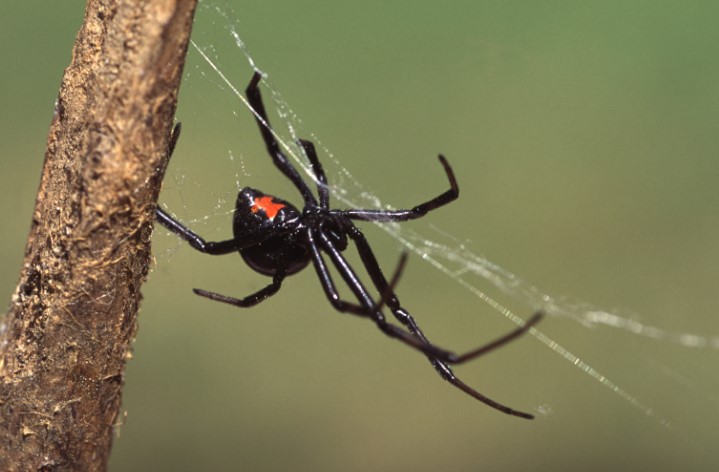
174, 137
534, 319
305, 143
450, 173
526, 416
256, 77
200, 292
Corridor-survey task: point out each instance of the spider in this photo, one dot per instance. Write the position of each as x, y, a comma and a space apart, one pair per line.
277, 239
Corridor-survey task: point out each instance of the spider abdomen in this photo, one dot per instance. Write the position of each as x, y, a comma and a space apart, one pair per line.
258, 213
269, 221
267, 256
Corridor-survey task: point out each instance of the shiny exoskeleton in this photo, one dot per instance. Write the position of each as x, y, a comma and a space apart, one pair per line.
277, 239
263, 217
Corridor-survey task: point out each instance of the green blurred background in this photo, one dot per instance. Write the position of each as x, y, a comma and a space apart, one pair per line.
584, 136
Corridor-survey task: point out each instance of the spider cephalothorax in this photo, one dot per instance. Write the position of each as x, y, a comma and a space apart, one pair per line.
276, 239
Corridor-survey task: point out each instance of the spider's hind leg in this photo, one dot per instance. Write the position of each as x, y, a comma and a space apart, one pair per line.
250, 300
389, 298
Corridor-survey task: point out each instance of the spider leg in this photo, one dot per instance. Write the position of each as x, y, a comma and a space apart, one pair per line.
166, 220
413, 213
171, 144
403, 316
367, 304
373, 312
446, 373
390, 299
174, 136
322, 187
380, 282
389, 291
444, 370
250, 300
215, 248
367, 307
273, 147
328, 284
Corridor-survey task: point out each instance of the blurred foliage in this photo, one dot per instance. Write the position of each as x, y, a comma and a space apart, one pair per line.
584, 138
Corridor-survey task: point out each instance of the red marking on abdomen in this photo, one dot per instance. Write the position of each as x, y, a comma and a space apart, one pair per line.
268, 205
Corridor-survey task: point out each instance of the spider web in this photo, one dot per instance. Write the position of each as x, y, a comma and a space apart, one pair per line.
445, 252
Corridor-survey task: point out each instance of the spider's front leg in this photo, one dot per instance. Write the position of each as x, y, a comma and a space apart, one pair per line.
254, 97
219, 248
215, 248
413, 213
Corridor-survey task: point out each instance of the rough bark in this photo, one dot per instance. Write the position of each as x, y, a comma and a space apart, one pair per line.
66, 337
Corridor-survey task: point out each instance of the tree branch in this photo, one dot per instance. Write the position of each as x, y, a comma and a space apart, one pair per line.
67, 334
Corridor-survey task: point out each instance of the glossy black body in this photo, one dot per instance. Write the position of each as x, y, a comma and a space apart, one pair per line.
279, 244
277, 239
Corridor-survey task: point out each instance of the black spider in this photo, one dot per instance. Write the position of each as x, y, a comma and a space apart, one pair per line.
277, 239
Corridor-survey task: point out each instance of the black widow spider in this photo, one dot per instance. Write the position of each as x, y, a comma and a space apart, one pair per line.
276, 239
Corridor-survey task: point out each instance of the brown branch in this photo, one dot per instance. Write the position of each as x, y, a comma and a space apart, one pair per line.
67, 335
